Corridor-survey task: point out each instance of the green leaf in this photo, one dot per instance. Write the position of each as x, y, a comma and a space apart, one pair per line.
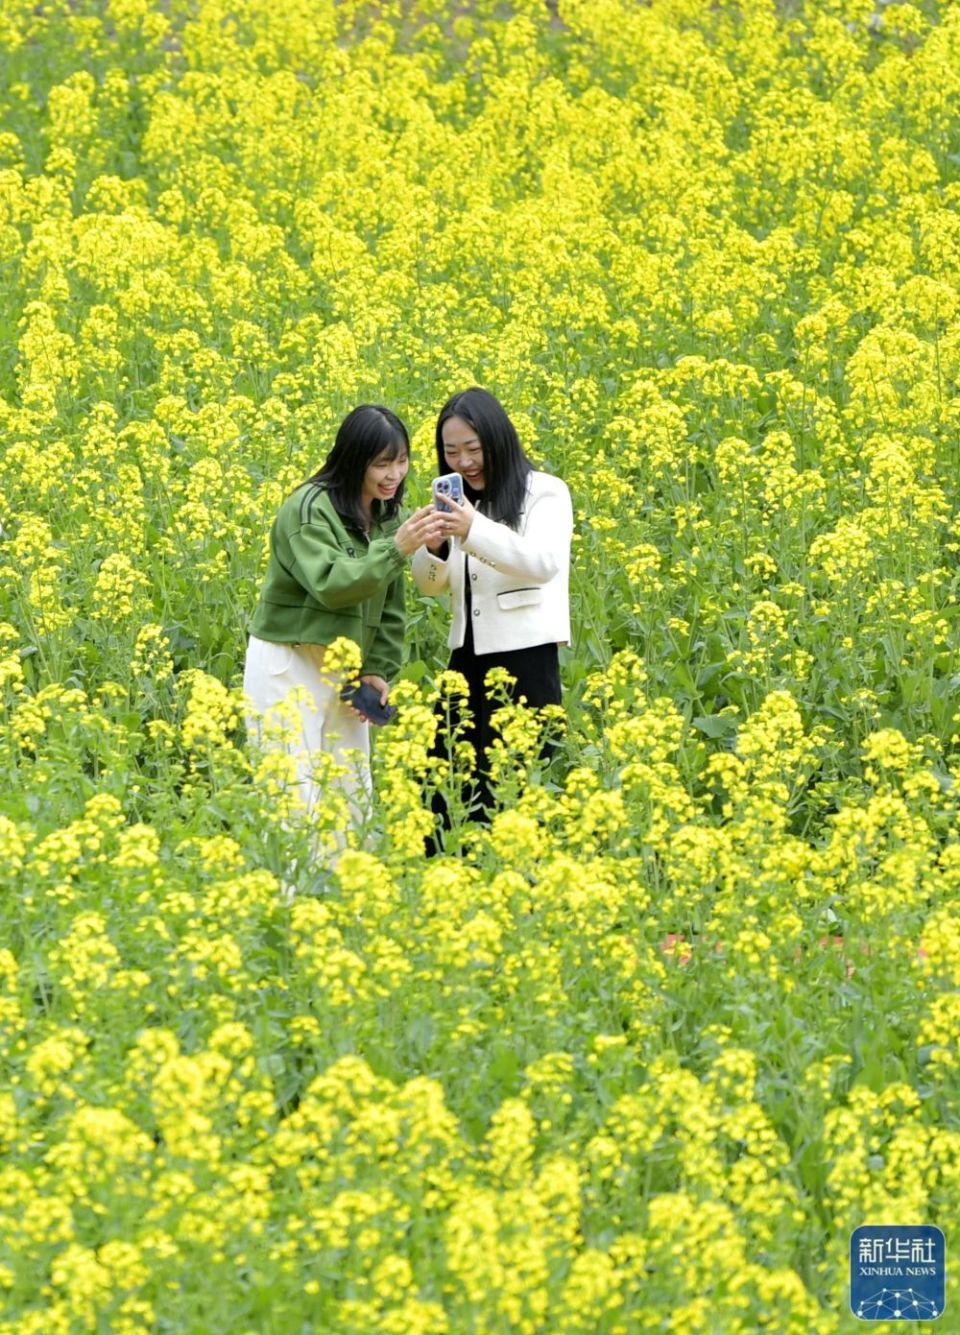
414, 671
716, 725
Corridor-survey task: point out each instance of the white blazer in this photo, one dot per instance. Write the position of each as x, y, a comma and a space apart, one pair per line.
520, 579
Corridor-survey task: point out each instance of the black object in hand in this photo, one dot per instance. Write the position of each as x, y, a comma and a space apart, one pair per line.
366, 700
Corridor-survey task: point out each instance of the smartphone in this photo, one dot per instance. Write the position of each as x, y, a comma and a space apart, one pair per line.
366, 700
451, 484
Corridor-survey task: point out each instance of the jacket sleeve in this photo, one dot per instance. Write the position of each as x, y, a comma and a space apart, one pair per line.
431, 574
335, 578
386, 651
536, 554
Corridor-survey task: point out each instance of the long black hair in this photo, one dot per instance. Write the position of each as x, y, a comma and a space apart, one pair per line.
365, 434
505, 466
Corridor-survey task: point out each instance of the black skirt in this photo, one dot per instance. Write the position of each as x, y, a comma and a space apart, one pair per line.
536, 673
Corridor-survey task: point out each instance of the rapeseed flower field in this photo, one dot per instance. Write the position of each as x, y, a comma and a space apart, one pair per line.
644, 1051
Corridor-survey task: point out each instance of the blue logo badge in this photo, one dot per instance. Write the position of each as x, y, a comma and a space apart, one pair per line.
897, 1272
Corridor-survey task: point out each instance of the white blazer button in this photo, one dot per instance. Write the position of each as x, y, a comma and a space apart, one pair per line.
476, 611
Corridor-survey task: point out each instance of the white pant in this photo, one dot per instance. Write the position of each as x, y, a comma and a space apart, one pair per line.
319, 721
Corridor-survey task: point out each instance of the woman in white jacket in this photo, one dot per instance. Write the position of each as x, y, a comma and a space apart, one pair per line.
504, 560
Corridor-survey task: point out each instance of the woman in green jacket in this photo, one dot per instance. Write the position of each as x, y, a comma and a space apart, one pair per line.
337, 554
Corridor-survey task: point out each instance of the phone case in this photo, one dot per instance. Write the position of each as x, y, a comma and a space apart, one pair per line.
366, 699
451, 484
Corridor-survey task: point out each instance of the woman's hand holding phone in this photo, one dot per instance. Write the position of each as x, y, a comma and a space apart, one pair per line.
456, 518
368, 700
379, 685
422, 529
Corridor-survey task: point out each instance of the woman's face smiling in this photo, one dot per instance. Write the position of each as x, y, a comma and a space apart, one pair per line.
463, 452
383, 477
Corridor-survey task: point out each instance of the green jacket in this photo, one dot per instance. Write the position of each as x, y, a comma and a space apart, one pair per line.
324, 580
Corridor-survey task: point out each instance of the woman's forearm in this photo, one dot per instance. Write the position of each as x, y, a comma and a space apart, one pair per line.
431, 572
